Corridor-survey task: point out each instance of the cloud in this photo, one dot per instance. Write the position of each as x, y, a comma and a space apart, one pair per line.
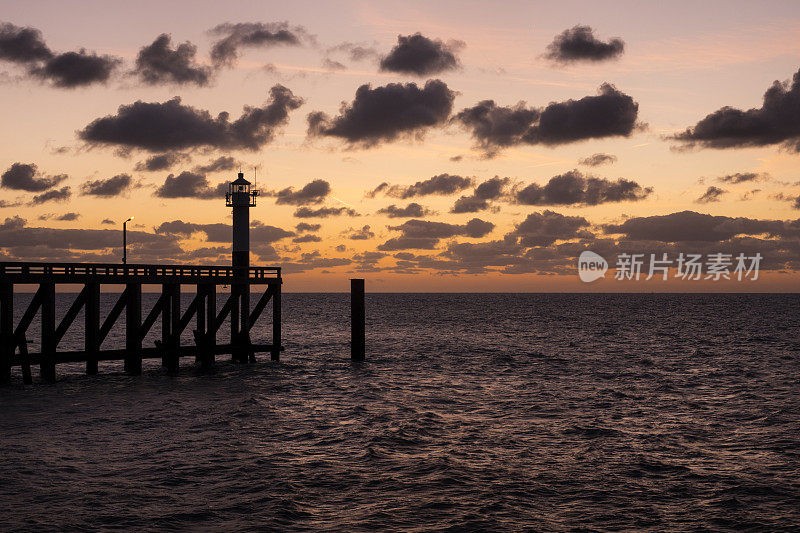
259, 233
362, 234
220, 164
418, 55
689, 226
324, 212
303, 226
776, 121
313, 192
475, 228
159, 63
77, 69
490, 189
330, 64
386, 113
159, 127
579, 44
425, 235
610, 113
546, 227
56, 195
411, 210
595, 160
108, 221
712, 194
160, 162
354, 51
26, 177
307, 238
573, 188
22, 45
225, 51
441, 184
744, 177
190, 185
113, 186
69, 217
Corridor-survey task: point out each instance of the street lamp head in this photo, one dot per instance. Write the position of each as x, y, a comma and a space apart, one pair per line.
129, 219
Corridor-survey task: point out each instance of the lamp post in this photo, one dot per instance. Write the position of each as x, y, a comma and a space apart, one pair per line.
125, 241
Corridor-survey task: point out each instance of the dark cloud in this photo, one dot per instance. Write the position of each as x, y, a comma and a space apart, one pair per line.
159, 63
190, 185
56, 195
324, 212
159, 127
312, 260
411, 210
776, 121
220, 164
307, 238
225, 51
22, 45
69, 217
259, 233
77, 69
409, 243
362, 234
743, 177
610, 113
108, 221
595, 160
418, 55
475, 228
573, 188
442, 184
303, 226
26, 177
113, 186
487, 191
580, 44
160, 162
688, 226
313, 192
546, 227
496, 127
712, 194
386, 113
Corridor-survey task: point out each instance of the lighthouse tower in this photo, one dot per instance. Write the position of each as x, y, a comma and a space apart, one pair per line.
241, 198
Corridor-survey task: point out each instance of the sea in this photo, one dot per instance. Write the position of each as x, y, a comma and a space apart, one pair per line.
472, 412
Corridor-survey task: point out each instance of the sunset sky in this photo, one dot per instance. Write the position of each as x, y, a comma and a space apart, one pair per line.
425, 146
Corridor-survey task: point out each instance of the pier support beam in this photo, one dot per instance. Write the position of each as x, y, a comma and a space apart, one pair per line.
357, 317
275, 355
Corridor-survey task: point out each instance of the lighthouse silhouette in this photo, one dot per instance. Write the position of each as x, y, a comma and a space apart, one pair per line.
241, 197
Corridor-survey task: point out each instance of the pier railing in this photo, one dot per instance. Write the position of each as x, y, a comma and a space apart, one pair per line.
110, 273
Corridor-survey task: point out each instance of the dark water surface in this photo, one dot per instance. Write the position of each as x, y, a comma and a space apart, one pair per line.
472, 412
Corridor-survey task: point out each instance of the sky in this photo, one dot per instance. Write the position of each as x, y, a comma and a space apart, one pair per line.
448, 146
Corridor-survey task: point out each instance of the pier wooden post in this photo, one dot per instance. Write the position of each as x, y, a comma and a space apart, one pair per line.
275, 355
92, 326
200, 331
47, 365
174, 339
235, 350
133, 321
6, 330
357, 317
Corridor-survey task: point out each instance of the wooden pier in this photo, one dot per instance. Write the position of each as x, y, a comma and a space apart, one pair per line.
14, 336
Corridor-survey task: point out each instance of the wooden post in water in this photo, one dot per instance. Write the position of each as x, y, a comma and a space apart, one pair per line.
276, 323
357, 317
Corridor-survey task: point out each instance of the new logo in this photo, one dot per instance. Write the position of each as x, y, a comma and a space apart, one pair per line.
591, 266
